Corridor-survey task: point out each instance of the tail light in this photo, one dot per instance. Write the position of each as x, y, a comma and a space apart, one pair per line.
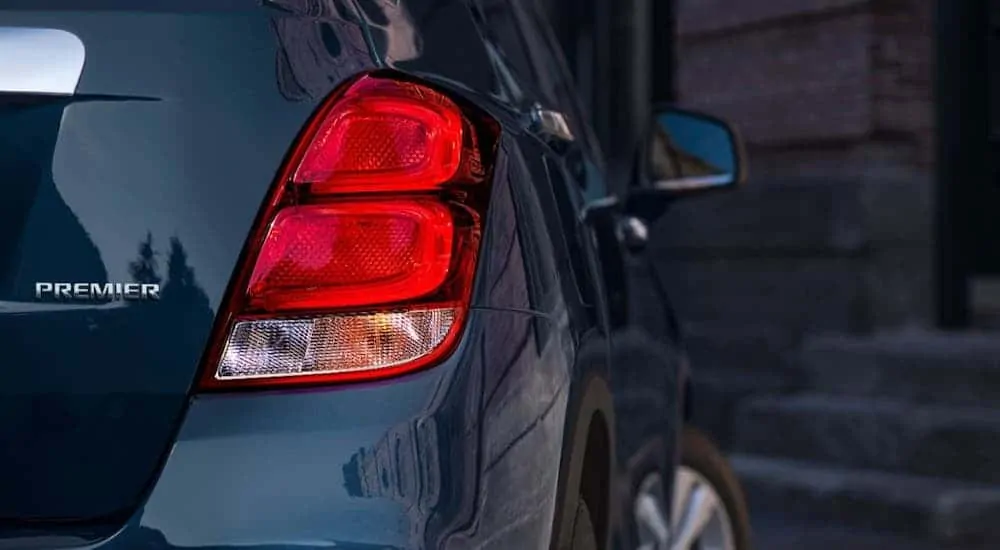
361, 263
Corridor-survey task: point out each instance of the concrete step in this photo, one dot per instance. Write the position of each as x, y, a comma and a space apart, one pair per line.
915, 366
953, 514
717, 395
933, 440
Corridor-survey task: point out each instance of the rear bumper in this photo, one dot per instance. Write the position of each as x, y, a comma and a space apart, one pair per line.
466, 453
355, 467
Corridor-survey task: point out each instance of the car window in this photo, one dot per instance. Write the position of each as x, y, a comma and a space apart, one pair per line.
575, 31
520, 33
557, 88
505, 43
551, 72
529, 57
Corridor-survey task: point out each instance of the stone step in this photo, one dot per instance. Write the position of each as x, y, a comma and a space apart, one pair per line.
933, 440
808, 293
723, 346
915, 366
774, 531
954, 514
717, 395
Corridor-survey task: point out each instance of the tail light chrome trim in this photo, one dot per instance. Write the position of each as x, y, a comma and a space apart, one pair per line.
40, 61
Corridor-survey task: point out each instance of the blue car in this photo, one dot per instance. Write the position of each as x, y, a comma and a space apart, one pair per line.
312, 274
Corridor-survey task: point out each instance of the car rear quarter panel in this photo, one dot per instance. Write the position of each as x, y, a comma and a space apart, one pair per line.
464, 455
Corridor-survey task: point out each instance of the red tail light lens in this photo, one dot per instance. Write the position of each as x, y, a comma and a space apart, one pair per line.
352, 253
385, 135
361, 266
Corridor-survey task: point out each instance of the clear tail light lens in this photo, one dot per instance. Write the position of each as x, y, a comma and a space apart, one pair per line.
360, 266
338, 346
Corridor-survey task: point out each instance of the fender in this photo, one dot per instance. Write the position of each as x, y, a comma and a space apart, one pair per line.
594, 401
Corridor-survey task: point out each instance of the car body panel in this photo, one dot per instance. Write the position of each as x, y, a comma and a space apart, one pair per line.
451, 457
180, 121
175, 133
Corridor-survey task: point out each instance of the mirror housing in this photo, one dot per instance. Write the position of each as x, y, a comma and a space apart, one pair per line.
685, 154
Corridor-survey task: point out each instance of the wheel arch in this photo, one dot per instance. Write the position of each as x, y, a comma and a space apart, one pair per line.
588, 463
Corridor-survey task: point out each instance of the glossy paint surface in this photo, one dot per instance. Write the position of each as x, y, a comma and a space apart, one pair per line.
155, 170
177, 127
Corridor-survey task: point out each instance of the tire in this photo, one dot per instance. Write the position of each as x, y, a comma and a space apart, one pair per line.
584, 537
698, 453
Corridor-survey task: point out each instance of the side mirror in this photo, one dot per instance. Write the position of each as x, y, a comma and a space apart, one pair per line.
686, 154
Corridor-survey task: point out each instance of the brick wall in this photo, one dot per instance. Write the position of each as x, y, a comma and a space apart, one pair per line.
834, 100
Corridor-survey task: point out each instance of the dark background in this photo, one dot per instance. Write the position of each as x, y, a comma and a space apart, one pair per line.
841, 309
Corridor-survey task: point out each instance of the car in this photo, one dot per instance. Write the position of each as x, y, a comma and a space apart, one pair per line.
330, 274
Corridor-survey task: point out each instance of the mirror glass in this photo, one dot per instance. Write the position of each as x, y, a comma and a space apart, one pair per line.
689, 151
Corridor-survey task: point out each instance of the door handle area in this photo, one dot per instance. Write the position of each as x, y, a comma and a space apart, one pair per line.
38, 61
551, 124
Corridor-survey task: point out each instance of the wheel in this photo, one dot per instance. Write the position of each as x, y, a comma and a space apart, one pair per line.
709, 510
584, 537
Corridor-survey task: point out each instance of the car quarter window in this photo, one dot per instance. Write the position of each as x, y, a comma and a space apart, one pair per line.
501, 31
520, 32
557, 89
515, 31
551, 71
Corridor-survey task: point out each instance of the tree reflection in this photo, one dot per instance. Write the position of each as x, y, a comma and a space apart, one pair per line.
181, 287
145, 268
92, 415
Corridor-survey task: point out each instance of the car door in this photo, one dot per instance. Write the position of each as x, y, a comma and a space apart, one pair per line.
552, 133
646, 369
550, 147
